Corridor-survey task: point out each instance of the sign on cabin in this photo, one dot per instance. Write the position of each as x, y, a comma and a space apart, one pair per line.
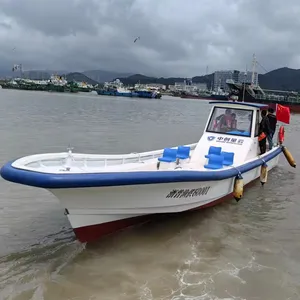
226, 140
186, 193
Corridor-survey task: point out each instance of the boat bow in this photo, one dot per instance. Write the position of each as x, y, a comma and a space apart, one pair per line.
84, 180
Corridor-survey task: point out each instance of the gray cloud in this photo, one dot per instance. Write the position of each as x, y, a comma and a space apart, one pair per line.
178, 37
5, 25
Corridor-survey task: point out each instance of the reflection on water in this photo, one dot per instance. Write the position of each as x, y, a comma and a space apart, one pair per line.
246, 250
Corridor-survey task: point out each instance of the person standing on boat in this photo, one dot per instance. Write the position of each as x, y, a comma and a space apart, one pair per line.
264, 131
273, 121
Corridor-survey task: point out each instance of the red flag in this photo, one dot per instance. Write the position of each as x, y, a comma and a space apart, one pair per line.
283, 114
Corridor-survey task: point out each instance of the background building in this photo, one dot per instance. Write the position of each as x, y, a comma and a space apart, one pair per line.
220, 78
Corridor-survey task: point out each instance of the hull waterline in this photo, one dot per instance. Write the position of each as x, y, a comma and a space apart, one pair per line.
216, 97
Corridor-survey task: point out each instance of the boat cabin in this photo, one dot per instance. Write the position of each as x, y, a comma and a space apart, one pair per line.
233, 126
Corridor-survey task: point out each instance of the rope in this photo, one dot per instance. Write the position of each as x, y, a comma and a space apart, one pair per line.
239, 172
262, 67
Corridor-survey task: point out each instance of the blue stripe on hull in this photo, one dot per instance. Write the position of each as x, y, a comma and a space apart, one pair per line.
59, 181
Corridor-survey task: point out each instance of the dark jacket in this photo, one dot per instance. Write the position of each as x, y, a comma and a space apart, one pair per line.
272, 121
264, 126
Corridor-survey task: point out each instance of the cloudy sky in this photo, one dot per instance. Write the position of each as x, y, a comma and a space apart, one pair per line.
178, 37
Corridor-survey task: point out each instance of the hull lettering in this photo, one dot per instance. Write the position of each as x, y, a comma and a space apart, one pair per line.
187, 193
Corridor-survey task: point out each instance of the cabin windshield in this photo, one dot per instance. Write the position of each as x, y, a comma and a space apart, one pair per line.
232, 121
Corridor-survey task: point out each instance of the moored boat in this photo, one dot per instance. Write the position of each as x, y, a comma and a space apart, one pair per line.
116, 88
104, 193
118, 92
253, 93
148, 94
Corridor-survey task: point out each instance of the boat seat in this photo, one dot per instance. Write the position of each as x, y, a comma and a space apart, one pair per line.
213, 150
183, 152
228, 158
237, 132
215, 161
169, 155
246, 133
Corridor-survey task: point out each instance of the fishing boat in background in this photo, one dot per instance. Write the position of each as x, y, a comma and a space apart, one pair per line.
253, 93
104, 193
116, 88
145, 93
56, 83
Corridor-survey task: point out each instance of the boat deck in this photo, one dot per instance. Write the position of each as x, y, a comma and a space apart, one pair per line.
79, 165
90, 163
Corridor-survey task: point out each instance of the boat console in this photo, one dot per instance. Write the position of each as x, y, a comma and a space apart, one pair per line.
232, 127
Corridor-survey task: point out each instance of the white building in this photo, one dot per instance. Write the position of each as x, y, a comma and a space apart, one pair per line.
158, 86
188, 85
220, 78
200, 86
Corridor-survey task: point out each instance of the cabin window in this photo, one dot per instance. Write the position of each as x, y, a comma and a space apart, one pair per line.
232, 121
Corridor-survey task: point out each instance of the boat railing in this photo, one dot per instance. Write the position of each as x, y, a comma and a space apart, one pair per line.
84, 161
79, 160
114, 160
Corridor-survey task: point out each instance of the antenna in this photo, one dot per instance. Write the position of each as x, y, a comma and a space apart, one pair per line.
70, 148
21, 70
244, 84
254, 62
69, 158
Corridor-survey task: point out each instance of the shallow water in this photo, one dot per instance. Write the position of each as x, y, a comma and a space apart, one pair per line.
246, 250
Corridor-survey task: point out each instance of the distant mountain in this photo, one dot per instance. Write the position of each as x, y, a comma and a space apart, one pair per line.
36, 74
280, 79
142, 79
98, 76
32, 74
285, 79
79, 77
104, 76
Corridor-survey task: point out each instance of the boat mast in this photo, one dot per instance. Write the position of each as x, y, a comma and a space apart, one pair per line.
244, 87
254, 62
21, 70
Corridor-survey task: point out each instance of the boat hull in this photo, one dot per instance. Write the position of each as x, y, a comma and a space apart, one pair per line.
91, 233
244, 96
294, 107
148, 94
212, 97
109, 209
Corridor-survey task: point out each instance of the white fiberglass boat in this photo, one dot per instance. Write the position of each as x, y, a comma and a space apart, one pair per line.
104, 193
